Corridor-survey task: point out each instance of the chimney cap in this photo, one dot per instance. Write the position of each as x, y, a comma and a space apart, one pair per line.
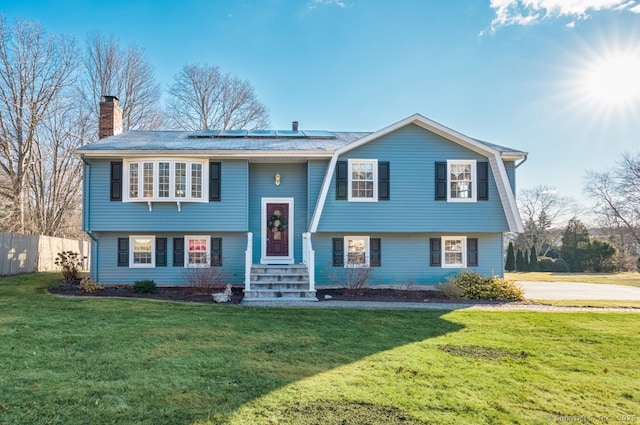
109, 98
294, 125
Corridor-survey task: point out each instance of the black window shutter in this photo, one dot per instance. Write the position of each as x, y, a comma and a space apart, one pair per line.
441, 181
161, 252
123, 252
472, 252
338, 252
178, 252
482, 170
214, 181
383, 181
375, 257
435, 249
116, 181
216, 251
342, 179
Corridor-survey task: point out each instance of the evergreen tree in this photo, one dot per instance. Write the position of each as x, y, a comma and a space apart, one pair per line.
533, 260
510, 264
525, 260
519, 261
575, 245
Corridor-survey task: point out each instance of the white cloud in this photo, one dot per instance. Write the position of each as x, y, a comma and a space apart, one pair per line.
315, 3
529, 12
571, 24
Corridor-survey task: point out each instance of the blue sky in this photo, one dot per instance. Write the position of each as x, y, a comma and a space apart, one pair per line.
556, 78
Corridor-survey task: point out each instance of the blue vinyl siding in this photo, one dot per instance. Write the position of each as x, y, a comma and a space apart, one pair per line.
511, 173
233, 247
412, 153
230, 214
405, 257
293, 185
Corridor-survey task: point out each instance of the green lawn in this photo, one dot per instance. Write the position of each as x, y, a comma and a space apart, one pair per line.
114, 361
627, 278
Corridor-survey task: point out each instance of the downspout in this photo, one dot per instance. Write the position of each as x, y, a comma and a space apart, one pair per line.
86, 222
523, 161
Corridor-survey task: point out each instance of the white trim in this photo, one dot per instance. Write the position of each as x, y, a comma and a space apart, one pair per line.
443, 263
172, 161
207, 262
367, 252
264, 259
474, 180
133, 265
350, 196
495, 160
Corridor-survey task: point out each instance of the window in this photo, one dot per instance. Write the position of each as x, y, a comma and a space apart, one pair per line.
197, 252
454, 252
142, 251
166, 180
357, 251
363, 180
461, 181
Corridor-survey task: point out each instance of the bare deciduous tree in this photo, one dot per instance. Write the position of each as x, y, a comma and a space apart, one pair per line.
617, 195
111, 69
35, 68
56, 177
543, 210
202, 98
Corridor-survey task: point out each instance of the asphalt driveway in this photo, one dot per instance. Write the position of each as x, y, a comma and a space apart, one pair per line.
578, 291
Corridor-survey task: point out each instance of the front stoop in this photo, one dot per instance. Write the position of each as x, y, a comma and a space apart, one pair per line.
279, 283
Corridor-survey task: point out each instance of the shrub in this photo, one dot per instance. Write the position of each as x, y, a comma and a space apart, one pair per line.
546, 264
352, 279
71, 264
144, 287
475, 286
204, 279
90, 285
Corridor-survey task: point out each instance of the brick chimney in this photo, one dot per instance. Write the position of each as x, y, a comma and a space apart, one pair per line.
110, 122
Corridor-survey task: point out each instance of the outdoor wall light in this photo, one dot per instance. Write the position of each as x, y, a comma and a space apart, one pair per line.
276, 179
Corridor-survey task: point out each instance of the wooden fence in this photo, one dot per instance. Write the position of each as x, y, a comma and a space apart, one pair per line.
33, 253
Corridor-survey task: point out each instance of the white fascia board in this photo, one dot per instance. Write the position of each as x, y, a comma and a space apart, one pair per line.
328, 175
203, 153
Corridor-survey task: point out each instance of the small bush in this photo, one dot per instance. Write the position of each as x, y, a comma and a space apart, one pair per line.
352, 279
450, 290
475, 286
89, 285
204, 279
144, 287
546, 264
71, 264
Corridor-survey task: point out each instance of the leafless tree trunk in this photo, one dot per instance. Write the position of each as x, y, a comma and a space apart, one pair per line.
113, 70
543, 210
35, 68
202, 98
56, 177
617, 195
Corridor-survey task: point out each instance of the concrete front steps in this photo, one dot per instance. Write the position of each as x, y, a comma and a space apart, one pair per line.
279, 283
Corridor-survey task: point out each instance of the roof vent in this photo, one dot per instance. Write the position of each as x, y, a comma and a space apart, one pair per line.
294, 126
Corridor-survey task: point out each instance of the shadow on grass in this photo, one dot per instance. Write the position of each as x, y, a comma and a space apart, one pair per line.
130, 361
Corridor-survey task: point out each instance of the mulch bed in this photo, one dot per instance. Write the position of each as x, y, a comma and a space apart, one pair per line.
190, 294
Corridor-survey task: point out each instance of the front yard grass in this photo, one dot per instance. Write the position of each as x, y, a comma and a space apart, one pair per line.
626, 278
77, 361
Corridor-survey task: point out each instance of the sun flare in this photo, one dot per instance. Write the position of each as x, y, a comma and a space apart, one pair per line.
613, 79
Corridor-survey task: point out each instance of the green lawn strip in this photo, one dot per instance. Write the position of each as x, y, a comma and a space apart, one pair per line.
591, 303
626, 278
68, 361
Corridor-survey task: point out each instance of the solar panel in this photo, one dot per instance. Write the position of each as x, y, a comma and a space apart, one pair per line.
233, 133
289, 133
204, 133
318, 134
262, 133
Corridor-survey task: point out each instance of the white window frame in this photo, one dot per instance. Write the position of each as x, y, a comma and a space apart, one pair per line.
473, 180
207, 263
172, 180
444, 263
132, 263
367, 252
374, 163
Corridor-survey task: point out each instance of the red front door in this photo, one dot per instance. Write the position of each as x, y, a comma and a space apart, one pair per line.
277, 231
